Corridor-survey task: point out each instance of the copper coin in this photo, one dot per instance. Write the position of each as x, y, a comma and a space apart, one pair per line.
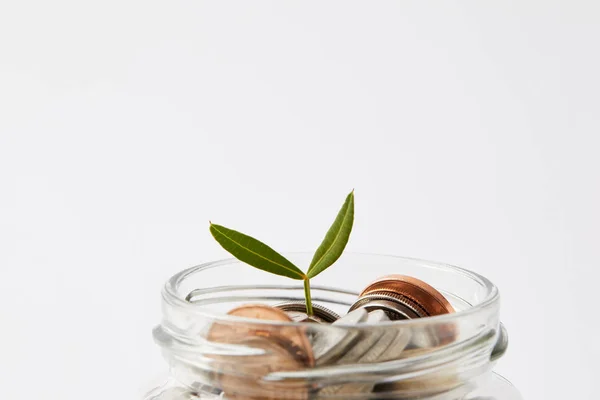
242, 378
284, 348
291, 338
426, 297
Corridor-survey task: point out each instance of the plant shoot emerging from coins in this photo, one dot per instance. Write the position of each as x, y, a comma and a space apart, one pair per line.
257, 254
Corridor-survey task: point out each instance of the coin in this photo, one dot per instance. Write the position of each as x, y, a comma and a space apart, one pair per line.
412, 293
242, 378
297, 311
394, 306
281, 348
368, 338
376, 341
401, 338
298, 316
405, 297
331, 344
292, 338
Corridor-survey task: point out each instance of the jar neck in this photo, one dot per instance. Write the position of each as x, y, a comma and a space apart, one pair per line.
452, 368
445, 354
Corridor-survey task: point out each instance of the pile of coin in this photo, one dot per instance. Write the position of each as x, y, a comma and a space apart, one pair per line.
291, 347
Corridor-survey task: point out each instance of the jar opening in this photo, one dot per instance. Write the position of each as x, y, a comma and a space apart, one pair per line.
451, 349
468, 291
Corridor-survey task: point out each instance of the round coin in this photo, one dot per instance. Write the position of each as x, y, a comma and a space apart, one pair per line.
242, 377
292, 338
377, 341
404, 297
426, 298
396, 307
333, 344
297, 311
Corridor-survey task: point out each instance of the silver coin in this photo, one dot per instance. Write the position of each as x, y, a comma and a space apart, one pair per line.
367, 340
423, 338
353, 318
400, 309
383, 342
393, 307
398, 345
297, 311
331, 345
298, 316
377, 317
377, 341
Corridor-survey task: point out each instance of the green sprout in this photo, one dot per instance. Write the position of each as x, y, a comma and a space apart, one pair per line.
257, 254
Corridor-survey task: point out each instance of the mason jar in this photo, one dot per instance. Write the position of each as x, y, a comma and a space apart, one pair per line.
454, 358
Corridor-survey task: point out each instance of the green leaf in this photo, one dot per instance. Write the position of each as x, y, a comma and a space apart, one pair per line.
335, 240
254, 252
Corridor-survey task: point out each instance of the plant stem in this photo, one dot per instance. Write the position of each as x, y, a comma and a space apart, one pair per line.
309, 308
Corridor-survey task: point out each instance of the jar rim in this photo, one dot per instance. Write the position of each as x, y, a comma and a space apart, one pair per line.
172, 296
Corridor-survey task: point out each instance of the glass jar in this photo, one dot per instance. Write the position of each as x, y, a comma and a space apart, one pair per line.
454, 361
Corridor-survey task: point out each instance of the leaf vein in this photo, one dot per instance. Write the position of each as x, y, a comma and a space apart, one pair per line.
257, 254
334, 240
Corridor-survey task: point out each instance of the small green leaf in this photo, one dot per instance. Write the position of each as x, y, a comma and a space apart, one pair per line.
335, 240
254, 252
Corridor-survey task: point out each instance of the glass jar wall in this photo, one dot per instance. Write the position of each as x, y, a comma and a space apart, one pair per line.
453, 359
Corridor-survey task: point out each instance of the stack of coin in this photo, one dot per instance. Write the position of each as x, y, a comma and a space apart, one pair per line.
405, 297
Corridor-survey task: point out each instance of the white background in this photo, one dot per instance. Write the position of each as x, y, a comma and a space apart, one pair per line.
469, 130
